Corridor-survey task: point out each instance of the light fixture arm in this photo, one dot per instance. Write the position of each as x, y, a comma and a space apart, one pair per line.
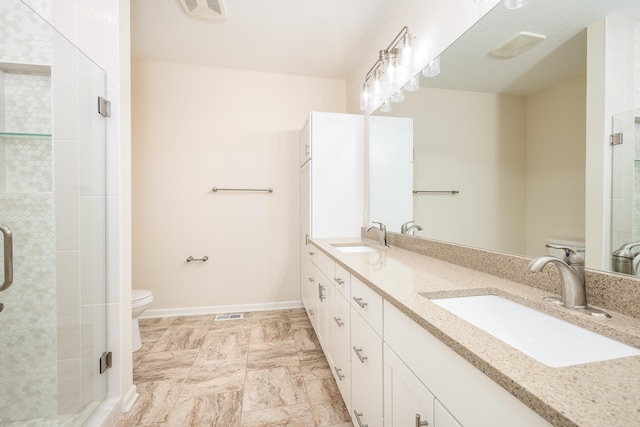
404, 32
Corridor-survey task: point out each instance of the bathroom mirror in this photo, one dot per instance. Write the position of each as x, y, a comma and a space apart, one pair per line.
498, 142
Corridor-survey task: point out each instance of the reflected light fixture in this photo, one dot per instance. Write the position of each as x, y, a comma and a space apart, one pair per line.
515, 4
413, 84
386, 106
398, 96
432, 69
393, 63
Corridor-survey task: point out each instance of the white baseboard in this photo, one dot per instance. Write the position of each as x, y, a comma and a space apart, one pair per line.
129, 399
216, 309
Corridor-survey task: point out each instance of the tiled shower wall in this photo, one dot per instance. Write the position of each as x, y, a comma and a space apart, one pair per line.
27, 204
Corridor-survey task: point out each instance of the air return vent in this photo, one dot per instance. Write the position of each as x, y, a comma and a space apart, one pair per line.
205, 9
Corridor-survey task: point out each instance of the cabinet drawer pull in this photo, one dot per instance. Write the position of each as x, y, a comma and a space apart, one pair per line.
339, 321
311, 279
338, 280
310, 312
321, 292
359, 354
420, 423
338, 373
358, 415
360, 302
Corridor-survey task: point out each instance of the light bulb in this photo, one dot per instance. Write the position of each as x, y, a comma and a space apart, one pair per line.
386, 106
413, 84
365, 95
406, 55
376, 87
398, 96
390, 69
433, 69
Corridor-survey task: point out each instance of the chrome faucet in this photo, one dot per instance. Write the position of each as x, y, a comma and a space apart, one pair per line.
574, 294
382, 233
624, 260
407, 227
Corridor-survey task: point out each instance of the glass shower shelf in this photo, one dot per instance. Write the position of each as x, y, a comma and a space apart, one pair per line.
24, 135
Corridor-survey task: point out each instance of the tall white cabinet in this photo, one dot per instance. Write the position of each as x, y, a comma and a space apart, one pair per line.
332, 167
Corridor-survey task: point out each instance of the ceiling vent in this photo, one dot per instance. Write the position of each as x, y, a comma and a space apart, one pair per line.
518, 45
205, 9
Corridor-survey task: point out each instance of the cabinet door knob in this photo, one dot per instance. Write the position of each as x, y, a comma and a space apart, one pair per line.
420, 423
358, 415
338, 373
311, 279
361, 303
338, 321
312, 253
359, 354
338, 280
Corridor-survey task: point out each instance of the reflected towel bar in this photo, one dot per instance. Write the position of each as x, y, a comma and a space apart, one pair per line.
192, 259
216, 189
435, 191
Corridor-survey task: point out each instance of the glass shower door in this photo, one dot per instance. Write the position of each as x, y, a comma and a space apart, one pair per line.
52, 213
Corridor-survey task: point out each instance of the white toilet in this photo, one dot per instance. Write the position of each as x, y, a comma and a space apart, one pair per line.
140, 300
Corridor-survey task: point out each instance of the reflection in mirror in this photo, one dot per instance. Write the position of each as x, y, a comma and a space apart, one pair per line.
507, 133
625, 198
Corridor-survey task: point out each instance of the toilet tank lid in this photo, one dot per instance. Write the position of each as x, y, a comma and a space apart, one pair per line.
138, 294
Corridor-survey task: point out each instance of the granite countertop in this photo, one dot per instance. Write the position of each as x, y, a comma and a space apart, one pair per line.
605, 393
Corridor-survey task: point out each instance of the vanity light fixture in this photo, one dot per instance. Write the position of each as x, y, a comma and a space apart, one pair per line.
386, 106
393, 62
398, 96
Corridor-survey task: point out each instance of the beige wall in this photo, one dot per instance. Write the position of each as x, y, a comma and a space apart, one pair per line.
475, 143
556, 135
199, 127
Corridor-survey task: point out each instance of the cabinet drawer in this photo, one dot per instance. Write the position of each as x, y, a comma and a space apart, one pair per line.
363, 411
366, 356
343, 281
367, 303
325, 264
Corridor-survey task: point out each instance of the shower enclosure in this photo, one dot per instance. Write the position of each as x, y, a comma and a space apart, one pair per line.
52, 218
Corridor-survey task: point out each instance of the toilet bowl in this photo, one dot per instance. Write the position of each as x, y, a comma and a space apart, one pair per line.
140, 300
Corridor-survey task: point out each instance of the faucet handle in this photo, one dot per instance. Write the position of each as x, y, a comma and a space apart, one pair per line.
571, 256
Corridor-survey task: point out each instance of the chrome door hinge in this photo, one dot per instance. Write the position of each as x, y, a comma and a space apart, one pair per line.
615, 139
106, 360
104, 107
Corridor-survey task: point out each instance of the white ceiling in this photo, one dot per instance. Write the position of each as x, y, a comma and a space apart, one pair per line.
317, 38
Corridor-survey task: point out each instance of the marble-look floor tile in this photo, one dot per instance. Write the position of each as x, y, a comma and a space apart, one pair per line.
151, 335
299, 321
165, 365
156, 322
218, 376
271, 330
274, 387
196, 322
224, 344
306, 340
154, 404
314, 365
180, 339
272, 355
326, 403
285, 416
215, 410
263, 315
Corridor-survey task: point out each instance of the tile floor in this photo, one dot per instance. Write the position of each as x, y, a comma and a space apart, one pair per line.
264, 370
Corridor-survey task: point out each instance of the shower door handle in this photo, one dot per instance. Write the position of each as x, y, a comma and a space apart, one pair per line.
8, 257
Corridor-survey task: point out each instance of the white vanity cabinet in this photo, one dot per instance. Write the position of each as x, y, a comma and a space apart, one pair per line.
407, 402
463, 394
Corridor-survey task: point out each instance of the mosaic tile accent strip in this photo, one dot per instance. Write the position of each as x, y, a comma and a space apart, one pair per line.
28, 165
27, 103
27, 39
28, 355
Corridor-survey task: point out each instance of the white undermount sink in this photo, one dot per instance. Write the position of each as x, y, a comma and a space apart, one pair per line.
353, 247
549, 340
